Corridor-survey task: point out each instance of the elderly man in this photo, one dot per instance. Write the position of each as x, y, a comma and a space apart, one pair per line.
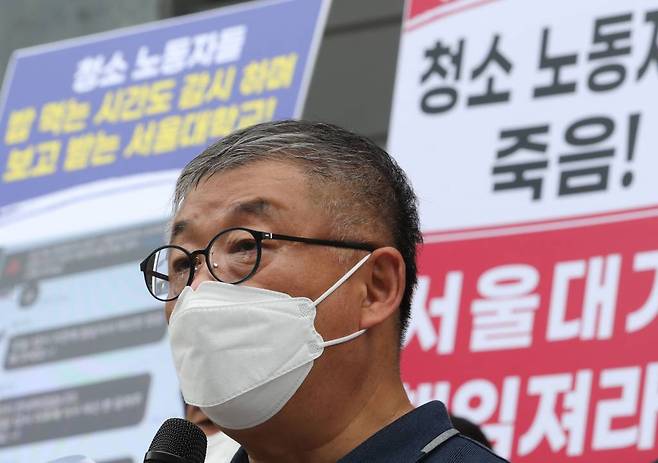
288, 284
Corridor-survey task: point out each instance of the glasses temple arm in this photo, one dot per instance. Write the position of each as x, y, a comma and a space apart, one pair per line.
333, 243
153, 273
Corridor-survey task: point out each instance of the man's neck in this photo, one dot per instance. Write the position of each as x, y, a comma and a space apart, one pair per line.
380, 407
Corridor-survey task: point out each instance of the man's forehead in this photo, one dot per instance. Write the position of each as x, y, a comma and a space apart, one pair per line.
272, 191
258, 208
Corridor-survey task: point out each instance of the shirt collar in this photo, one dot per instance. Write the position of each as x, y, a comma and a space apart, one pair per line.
401, 440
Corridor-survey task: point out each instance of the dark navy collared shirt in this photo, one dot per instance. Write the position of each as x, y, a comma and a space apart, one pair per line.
422, 435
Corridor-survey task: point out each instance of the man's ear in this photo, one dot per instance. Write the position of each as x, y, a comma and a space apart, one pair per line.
384, 286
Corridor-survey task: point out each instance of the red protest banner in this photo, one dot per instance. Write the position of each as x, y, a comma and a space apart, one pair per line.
544, 333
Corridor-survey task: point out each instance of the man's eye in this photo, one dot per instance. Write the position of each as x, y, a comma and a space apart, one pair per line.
243, 246
180, 265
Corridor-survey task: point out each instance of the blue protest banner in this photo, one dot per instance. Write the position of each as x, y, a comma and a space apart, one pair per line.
148, 98
93, 133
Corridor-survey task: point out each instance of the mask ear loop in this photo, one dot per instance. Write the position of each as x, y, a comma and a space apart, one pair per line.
333, 288
349, 337
342, 280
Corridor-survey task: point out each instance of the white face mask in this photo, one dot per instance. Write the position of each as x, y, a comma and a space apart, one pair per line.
242, 352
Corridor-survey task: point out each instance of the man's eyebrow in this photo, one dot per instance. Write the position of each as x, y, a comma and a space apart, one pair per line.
259, 208
177, 228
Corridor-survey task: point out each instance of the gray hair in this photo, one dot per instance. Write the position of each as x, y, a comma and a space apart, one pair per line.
372, 192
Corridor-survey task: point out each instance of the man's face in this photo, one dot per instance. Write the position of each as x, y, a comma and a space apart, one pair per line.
274, 196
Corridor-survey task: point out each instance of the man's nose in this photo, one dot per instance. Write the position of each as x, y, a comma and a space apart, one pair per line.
201, 273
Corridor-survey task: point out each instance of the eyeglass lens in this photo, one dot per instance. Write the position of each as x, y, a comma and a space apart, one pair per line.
233, 256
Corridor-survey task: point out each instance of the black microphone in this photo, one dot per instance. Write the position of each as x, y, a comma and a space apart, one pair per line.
177, 441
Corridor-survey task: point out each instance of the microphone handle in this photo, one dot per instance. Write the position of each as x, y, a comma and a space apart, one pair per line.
158, 456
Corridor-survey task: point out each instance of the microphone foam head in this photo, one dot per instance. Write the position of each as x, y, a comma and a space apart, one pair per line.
182, 438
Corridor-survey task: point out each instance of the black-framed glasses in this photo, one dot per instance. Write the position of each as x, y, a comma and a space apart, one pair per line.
232, 256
